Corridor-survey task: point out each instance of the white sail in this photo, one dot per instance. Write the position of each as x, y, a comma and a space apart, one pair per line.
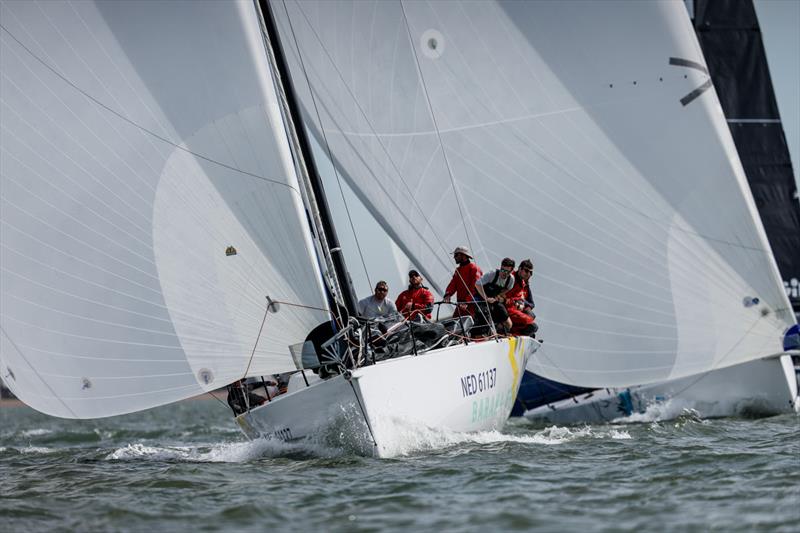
141, 140
584, 135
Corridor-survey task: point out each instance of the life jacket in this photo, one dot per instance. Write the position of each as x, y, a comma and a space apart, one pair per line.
493, 288
421, 299
518, 292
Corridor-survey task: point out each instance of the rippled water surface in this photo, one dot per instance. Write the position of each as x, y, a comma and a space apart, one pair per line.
187, 467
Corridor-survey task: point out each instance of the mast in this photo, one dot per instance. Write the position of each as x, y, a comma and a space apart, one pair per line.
316, 202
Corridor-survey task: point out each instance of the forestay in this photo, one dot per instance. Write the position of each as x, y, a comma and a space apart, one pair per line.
139, 141
585, 135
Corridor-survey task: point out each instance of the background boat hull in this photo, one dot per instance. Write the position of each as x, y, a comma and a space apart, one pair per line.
764, 387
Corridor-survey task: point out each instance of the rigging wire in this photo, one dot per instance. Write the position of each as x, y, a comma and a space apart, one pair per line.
46, 384
270, 304
327, 144
255, 344
435, 124
363, 412
375, 134
391, 160
211, 393
136, 124
247, 278
301, 169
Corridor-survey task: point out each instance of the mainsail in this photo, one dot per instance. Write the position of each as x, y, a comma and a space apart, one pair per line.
150, 206
585, 135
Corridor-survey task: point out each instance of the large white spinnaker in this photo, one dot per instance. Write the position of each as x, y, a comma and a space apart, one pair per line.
585, 135
141, 140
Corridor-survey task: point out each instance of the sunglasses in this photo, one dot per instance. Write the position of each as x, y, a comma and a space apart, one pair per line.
528, 270
382, 289
507, 271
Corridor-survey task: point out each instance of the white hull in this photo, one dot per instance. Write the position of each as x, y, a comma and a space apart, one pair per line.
764, 387
461, 388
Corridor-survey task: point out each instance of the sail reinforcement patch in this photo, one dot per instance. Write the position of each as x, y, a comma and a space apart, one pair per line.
432, 43
205, 376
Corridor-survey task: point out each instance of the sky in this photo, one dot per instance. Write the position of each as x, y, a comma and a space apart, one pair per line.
780, 30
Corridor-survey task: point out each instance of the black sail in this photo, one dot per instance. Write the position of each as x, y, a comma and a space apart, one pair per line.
730, 37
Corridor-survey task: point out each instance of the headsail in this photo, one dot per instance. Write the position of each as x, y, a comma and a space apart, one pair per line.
149, 206
585, 135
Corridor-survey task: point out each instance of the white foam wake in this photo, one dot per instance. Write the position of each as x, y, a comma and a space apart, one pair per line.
398, 438
699, 410
401, 438
231, 452
36, 450
36, 432
661, 411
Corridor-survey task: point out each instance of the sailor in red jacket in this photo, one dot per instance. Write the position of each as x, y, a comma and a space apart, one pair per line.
417, 300
463, 282
519, 303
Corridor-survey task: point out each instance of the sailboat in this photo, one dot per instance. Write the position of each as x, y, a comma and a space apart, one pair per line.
163, 235
733, 48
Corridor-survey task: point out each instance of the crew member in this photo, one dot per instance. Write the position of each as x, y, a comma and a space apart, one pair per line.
463, 282
241, 397
416, 301
491, 289
378, 306
519, 301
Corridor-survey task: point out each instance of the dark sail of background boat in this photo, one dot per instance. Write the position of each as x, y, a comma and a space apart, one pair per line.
730, 37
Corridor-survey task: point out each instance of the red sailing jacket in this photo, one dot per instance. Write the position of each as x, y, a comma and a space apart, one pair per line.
420, 298
463, 282
518, 292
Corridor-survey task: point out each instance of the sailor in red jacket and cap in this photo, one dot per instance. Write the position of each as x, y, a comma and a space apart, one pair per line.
417, 300
463, 282
519, 301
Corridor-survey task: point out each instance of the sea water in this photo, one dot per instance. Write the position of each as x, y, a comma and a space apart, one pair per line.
186, 467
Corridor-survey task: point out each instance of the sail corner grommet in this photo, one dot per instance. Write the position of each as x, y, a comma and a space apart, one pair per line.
205, 376
753, 301
432, 43
272, 305
750, 301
